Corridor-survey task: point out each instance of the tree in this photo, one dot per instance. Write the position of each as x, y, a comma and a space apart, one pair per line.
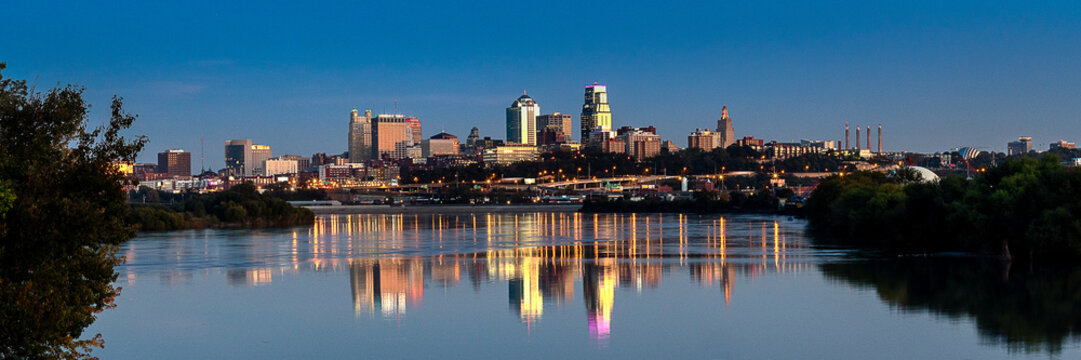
65, 222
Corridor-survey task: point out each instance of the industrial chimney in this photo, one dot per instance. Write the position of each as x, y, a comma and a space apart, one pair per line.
879, 138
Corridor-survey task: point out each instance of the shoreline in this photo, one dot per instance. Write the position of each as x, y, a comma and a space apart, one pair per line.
441, 209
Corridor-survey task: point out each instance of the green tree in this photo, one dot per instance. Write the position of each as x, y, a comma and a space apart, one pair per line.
61, 231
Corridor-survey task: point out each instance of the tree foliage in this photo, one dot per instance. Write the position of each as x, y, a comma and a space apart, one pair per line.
63, 218
1025, 207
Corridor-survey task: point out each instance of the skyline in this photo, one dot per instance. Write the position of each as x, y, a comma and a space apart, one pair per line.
936, 76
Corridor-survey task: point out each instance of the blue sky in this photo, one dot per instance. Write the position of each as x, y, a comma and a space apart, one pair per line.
935, 74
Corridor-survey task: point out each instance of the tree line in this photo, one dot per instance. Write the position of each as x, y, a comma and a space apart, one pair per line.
1024, 208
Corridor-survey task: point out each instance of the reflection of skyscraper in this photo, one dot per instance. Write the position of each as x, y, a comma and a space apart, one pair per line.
524, 290
386, 284
598, 288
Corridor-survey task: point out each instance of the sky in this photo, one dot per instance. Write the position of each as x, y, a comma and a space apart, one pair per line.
935, 74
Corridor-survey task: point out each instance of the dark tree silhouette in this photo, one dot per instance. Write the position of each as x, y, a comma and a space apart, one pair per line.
62, 210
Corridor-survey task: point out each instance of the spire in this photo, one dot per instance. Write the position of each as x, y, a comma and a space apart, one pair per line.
724, 111
523, 92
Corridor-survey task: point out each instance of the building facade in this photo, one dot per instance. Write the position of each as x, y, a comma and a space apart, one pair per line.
279, 166
389, 130
725, 132
556, 121
596, 114
174, 163
1062, 144
238, 157
440, 144
360, 136
522, 121
1022, 146
703, 139
511, 153
259, 155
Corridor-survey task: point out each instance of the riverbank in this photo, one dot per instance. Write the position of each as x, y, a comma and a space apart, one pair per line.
441, 209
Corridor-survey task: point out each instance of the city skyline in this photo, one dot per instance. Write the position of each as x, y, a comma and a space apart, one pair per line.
937, 76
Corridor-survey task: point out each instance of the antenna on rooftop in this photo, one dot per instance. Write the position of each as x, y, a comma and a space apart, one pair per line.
202, 155
395, 106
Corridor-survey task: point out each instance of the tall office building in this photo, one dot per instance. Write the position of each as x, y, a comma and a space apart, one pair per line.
522, 120
259, 155
556, 121
724, 129
474, 136
237, 155
242, 158
389, 130
596, 115
174, 163
1022, 146
414, 130
360, 136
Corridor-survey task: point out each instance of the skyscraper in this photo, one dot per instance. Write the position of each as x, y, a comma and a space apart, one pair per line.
237, 155
596, 115
174, 163
389, 130
259, 155
360, 136
724, 129
474, 136
556, 121
1023, 145
522, 120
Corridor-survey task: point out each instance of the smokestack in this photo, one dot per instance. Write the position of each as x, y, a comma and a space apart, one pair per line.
879, 138
857, 137
846, 136
868, 137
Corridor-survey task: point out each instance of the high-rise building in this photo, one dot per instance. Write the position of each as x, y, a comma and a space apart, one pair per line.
596, 114
440, 144
724, 129
360, 136
238, 157
259, 155
1022, 146
641, 144
174, 163
414, 130
389, 130
556, 121
522, 120
474, 136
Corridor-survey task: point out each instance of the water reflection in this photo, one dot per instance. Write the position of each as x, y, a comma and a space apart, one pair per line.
1030, 310
543, 258
599, 277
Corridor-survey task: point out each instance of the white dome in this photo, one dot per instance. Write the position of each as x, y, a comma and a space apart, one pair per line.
926, 175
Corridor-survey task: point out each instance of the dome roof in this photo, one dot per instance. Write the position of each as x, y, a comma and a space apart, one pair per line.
522, 101
926, 175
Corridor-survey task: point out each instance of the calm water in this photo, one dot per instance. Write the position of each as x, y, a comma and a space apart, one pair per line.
552, 285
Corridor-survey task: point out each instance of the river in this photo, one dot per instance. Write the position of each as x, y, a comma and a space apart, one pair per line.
570, 285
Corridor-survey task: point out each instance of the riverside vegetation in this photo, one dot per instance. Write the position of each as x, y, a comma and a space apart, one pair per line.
1025, 208
240, 206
